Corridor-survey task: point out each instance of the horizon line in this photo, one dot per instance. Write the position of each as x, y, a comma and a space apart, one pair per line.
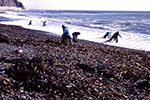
90, 10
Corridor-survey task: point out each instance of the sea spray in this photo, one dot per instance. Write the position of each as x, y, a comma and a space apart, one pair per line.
133, 26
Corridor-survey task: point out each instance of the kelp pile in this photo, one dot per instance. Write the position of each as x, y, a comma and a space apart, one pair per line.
35, 66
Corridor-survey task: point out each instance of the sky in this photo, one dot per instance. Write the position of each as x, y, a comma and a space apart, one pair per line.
130, 5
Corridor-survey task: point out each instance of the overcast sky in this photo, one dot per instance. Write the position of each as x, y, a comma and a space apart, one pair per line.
140, 5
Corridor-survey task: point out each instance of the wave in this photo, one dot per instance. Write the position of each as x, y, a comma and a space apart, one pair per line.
92, 25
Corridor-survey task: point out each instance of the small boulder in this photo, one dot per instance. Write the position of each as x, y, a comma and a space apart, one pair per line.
4, 38
86, 67
142, 83
20, 51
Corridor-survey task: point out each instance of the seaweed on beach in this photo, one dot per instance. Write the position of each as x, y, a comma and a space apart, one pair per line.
36, 66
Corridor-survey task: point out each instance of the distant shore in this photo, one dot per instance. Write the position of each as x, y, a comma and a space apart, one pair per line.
5, 8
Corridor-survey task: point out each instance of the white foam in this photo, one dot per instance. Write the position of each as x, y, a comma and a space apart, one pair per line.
128, 40
6, 8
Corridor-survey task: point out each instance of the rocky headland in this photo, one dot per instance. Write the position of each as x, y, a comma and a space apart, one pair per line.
36, 66
11, 5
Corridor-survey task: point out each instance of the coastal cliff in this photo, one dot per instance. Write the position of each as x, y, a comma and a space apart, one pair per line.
11, 3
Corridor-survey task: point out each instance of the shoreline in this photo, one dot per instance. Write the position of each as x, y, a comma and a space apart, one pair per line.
5, 8
36, 65
53, 34
128, 40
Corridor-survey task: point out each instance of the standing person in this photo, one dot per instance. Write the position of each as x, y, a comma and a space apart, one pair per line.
44, 23
66, 35
75, 34
30, 23
114, 37
108, 34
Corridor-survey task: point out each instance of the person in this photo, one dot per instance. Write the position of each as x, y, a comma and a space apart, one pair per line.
30, 23
108, 34
44, 23
65, 35
114, 37
75, 34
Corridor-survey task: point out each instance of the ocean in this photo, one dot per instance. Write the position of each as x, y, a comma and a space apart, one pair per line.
133, 26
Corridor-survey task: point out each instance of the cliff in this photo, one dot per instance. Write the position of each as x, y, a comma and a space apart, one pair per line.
11, 3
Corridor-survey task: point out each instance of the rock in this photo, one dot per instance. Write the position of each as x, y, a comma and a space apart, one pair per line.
4, 38
2, 70
108, 75
86, 67
11, 3
49, 41
19, 51
142, 83
101, 70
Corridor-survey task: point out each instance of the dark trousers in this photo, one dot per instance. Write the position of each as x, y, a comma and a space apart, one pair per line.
65, 38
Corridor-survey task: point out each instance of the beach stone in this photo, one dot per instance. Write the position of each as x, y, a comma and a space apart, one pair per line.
108, 75
142, 83
101, 70
49, 41
20, 51
86, 67
2, 70
4, 38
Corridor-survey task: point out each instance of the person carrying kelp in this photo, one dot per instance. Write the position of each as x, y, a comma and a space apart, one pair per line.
114, 37
65, 35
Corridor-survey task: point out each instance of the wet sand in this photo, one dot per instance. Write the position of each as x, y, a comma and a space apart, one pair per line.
36, 66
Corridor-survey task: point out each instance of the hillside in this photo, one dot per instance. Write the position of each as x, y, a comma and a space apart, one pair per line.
11, 3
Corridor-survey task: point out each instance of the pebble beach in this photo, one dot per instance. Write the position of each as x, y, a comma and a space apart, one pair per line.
36, 66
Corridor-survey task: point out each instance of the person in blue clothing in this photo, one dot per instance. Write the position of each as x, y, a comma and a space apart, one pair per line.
108, 34
65, 35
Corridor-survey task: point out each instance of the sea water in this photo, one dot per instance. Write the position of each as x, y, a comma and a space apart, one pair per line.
134, 26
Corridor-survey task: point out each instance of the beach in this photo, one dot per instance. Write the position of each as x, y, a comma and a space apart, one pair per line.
34, 65
133, 26
5, 8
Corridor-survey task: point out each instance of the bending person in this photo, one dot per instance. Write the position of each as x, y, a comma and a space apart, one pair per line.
114, 37
75, 34
108, 34
65, 35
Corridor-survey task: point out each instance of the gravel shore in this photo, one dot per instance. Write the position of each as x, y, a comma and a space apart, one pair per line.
36, 66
